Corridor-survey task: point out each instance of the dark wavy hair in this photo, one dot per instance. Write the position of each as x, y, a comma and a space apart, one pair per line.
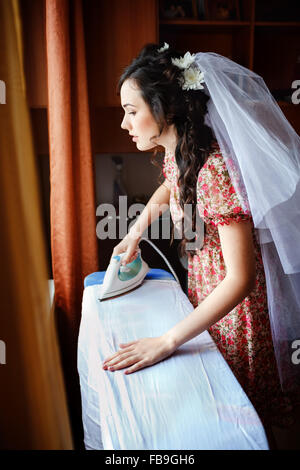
158, 82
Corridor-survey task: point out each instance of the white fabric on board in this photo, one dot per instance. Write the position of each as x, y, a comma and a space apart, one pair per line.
190, 400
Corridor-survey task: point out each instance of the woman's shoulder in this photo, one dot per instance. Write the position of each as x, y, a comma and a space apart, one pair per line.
214, 166
213, 178
216, 194
214, 155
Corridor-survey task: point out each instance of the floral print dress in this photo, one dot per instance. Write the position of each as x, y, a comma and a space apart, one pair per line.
243, 335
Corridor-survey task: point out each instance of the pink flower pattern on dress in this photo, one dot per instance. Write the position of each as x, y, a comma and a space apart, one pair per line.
243, 336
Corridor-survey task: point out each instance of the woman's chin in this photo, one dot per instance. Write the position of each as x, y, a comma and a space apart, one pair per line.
145, 147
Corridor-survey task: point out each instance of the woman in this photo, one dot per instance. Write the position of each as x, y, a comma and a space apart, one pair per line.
165, 105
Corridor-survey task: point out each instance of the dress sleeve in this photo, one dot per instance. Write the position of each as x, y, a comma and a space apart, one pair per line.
217, 200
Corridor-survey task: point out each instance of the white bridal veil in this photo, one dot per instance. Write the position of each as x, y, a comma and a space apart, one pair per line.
262, 153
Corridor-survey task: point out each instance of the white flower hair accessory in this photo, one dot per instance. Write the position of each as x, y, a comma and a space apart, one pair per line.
165, 47
192, 77
185, 61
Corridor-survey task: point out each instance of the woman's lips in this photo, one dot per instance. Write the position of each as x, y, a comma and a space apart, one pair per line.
134, 138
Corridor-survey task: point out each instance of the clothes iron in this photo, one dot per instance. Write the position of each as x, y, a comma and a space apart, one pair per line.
120, 279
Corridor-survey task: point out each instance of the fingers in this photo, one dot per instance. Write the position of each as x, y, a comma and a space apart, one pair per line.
120, 364
130, 355
124, 345
109, 359
130, 246
124, 358
139, 365
139, 354
128, 362
129, 257
117, 360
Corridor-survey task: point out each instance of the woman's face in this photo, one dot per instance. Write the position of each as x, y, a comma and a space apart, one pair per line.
138, 120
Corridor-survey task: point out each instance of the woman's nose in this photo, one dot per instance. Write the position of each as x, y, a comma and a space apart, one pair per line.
124, 124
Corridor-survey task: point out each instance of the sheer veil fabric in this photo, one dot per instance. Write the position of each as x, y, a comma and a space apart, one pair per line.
262, 154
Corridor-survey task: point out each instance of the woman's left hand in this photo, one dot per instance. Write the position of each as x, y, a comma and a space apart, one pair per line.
138, 354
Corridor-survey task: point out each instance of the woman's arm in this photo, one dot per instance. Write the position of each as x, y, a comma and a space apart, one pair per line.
238, 253
156, 206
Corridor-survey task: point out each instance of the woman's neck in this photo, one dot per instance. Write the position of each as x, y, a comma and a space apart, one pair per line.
169, 139
170, 150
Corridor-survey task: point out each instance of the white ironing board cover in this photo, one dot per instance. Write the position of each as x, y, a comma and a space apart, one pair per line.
190, 400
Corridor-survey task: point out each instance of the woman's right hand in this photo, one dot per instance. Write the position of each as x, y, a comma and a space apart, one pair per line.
129, 244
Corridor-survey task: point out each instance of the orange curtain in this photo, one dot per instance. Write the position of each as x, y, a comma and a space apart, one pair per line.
34, 413
72, 198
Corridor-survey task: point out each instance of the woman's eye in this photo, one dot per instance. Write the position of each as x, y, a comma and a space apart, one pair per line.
133, 112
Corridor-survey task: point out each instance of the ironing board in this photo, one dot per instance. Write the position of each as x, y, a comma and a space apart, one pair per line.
190, 400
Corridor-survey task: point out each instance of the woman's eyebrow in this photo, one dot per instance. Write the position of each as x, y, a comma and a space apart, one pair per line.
128, 104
